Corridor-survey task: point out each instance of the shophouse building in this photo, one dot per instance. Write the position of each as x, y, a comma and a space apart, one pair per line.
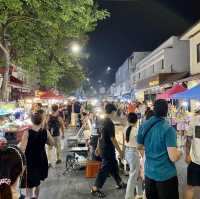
161, 68
193, 36
123, 78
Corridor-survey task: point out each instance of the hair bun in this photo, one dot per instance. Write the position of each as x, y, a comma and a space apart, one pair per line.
3, 143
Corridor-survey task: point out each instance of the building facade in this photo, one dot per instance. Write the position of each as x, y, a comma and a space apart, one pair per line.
124, 75
163, 66
193, 36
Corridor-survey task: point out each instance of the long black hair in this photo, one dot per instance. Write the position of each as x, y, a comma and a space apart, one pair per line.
132, 119
12, 162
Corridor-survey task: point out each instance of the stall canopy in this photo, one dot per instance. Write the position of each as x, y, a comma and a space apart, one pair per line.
193, 93
170, 92
50, 95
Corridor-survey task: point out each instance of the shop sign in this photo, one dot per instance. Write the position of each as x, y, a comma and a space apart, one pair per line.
38, 93
154, 83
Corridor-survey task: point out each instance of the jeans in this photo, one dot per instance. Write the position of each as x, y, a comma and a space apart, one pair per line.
109, 166
57, 142
162, 190
133, 160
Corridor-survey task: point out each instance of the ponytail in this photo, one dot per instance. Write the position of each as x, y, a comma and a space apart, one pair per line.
5, 191
128, 132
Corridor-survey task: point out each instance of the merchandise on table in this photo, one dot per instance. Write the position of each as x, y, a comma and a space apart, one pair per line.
13, 122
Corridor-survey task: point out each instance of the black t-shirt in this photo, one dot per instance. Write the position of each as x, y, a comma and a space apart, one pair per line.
77, 107
69, 108
107, 132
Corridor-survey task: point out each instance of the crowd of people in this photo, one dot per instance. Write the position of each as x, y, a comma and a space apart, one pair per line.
149, 147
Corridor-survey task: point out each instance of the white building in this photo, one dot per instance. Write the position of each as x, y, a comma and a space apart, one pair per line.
193, 35
123, 77
166, 64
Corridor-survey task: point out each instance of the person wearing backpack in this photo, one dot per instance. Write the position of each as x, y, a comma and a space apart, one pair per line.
56, 127
158, 139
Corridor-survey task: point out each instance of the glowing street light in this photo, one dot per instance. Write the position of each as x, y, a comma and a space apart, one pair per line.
75, 48
108, 68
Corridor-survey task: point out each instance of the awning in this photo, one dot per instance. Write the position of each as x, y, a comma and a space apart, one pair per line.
168, 94
160, 79
193, 93
173, 77
15, 80
12, 68
50, 95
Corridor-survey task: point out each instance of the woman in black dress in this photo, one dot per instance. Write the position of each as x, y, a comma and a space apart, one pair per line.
33, 144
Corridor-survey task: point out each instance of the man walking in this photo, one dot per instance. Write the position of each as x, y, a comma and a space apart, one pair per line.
56, 127
158, 139
193, 156
106, 149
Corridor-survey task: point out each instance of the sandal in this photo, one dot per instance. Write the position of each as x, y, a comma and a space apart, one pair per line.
98, 193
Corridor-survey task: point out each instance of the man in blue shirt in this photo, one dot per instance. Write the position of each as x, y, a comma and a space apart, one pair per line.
158, 139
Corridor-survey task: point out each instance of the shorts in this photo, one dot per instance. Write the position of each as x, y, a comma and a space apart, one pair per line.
193, 174
162, 190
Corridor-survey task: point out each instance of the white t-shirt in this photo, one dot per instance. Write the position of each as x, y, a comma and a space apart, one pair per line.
132, 139
194, 131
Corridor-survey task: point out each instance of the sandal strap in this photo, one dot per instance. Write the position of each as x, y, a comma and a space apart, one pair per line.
98, 193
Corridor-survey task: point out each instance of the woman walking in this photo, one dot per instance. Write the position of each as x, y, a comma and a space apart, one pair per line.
133, 158
33, 144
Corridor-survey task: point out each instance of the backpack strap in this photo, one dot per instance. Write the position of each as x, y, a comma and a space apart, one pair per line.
150, 127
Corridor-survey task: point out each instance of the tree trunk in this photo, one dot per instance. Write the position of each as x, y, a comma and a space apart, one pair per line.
4, 87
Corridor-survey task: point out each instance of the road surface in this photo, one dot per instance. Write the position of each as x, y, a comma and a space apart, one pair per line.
75, 186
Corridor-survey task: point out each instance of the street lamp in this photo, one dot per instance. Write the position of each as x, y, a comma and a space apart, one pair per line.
108, 69
75, 48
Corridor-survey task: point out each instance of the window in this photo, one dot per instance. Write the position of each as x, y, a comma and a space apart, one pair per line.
162, 64
198, 53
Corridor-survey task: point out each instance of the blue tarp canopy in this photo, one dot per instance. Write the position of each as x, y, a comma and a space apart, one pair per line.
193, 93
127, 96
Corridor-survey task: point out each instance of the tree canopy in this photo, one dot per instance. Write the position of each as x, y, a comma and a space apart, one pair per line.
37, 34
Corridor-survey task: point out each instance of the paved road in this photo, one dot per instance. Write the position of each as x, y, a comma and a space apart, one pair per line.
76, 186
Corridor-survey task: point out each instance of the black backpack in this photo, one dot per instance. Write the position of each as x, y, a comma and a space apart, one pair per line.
54, 126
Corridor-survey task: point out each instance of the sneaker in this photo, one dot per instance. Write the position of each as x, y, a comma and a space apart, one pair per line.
121, 186
58, 161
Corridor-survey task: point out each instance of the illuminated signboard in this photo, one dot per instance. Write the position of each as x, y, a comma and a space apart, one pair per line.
154, 83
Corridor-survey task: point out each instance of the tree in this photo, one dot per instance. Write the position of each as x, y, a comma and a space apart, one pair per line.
34, 34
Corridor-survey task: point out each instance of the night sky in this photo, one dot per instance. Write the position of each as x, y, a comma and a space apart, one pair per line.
135, 25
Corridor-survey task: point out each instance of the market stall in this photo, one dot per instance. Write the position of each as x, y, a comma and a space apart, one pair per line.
49, 95
14, 121
193, 93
